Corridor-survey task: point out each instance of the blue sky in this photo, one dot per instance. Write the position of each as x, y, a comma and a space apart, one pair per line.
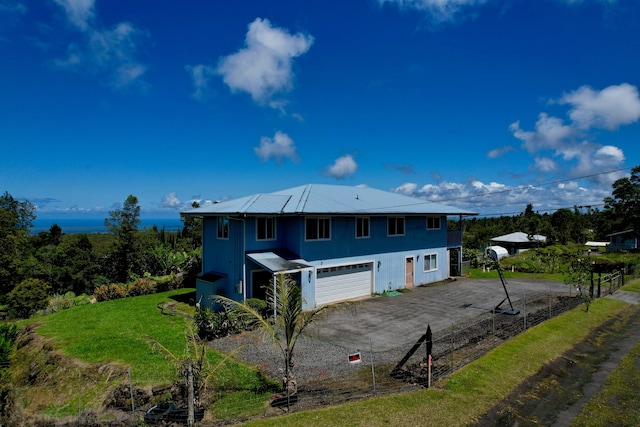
487, 105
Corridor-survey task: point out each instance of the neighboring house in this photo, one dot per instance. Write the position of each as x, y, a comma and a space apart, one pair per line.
622, 241
518, 242
338, 243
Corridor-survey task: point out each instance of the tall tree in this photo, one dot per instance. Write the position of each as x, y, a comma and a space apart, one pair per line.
123, 225
623, 207
16, 219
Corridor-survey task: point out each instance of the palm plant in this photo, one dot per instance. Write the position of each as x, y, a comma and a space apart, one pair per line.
286, 324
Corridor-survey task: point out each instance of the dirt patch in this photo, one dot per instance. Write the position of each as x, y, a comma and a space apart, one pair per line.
556, 394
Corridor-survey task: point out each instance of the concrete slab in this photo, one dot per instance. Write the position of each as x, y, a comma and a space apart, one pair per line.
394, 322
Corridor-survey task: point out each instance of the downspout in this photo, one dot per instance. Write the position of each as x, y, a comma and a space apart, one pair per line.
244, 265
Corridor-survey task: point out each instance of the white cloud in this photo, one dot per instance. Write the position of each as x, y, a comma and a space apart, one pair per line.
550, 133
79, 12
280, 147
109, 51
407, 188
545, 164
201, 75
495, 198
609, 108
498, 152
568, 147
263, 67
343, 166
439, 10
170, 200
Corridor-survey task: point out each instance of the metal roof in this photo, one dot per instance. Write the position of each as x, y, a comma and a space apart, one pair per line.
519, 237
328, 199
275, 263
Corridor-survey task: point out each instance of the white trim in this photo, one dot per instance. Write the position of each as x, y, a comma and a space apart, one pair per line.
317, 224
275, 229
404, 225
431, 256
368, 227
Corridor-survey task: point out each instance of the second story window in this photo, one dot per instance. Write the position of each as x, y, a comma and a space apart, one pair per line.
318, 228
395, 226
362, 227
266, 228
223, 227
433, 223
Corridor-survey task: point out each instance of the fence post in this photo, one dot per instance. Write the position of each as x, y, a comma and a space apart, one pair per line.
373, 372
451, 354
133, 404
524, 316
79, 397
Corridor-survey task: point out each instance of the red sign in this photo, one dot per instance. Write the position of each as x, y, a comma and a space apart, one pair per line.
355, 358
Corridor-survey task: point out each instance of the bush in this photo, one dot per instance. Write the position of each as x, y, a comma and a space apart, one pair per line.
110, 292
28, 297
141, 286
259, 305
211, 324
61, 302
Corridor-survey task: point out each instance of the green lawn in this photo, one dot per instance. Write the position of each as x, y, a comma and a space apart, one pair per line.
118, 331
467, 394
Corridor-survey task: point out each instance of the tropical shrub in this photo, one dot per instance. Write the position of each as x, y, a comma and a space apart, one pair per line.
28, 297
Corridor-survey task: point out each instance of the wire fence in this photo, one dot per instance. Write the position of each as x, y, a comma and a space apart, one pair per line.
324, 382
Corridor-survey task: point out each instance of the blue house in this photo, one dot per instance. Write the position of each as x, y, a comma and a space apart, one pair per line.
338, 242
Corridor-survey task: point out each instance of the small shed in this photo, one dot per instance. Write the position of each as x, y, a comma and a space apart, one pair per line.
496, 252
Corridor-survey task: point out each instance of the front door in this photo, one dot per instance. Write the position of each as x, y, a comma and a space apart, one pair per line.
408, 282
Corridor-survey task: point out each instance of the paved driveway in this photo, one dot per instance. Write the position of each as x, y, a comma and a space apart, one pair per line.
393, 322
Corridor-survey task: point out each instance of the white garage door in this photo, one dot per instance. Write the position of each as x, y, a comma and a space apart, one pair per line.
343, 283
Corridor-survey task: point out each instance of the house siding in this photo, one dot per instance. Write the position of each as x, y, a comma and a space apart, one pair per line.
387, 254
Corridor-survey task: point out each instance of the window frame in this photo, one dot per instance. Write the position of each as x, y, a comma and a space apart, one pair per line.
434, 218
396, 220
222, 227
264, 221
361, 232
325, 220
433, 259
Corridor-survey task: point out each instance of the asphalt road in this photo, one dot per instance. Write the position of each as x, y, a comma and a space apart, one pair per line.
392, 322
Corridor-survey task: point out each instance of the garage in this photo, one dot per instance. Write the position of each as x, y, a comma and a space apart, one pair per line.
343, 282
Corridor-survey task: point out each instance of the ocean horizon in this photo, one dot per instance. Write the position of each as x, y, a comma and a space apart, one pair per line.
96, 225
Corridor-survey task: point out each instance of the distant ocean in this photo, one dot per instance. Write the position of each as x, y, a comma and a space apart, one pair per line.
96, 225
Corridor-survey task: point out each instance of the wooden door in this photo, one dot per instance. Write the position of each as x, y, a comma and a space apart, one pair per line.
408, 272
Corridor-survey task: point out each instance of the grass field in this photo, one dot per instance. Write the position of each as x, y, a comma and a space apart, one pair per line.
467, 394
119, 331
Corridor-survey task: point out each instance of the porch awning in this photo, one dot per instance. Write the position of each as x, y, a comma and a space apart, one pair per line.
276, 264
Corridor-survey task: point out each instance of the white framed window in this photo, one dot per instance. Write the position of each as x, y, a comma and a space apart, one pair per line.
395, 226
317, 228
433, 223
362, 227
265, 228
430, 262
223, 227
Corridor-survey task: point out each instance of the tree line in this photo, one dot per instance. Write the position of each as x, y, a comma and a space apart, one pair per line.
620, 212
34, 268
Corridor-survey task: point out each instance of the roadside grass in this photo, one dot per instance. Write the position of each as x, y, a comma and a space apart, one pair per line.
470, 392
477, 273
119, 331
633, 286
617, 402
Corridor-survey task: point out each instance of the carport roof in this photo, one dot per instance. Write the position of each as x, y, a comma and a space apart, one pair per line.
277, 264
328, 199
